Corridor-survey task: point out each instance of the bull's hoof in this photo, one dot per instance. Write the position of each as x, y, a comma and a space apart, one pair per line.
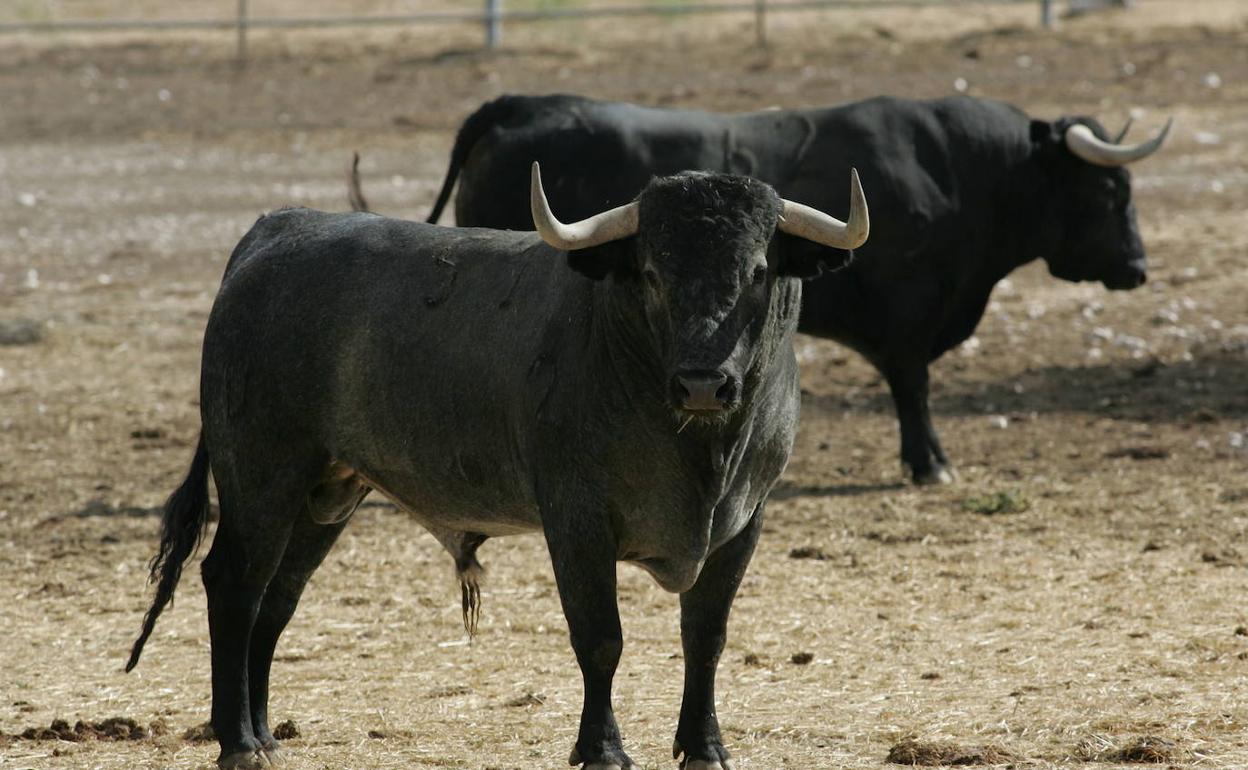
937, 474
607, 764
274, 754
243, 760
724, 763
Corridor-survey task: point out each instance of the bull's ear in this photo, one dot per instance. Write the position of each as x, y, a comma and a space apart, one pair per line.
1044, 133
799, 258
598, 262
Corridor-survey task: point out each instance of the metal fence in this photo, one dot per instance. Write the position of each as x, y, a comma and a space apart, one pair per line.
492, 17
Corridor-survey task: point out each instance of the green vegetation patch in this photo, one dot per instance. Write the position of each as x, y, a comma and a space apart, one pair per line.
993, 503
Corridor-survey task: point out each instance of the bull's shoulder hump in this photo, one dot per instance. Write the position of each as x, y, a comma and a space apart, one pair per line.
302, 235
961, 109
625, 114
272, 232
523, 109
283, 224
887, 110
879, 113
284, 219
310, 226
400, 272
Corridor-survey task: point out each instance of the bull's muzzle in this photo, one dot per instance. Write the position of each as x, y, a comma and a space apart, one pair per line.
704, 391
1130, 276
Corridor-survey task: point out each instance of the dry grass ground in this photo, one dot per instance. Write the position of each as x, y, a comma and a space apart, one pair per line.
1074, 601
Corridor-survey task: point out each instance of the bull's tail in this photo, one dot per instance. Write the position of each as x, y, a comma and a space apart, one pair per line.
475, 125
355, 195
181, 528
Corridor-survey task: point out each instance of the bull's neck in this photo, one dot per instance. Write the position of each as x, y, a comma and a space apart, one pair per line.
1025, 226
620, 339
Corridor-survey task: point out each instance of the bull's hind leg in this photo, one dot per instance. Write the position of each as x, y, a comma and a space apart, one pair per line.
256, 521
921, 453
703, 631
307, 547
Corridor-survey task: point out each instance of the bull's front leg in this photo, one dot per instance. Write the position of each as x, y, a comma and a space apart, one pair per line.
583, 556
703, 631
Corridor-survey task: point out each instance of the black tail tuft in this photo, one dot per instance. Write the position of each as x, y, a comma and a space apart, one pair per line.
181, 528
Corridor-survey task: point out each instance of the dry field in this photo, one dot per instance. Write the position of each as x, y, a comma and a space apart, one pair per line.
1098, 620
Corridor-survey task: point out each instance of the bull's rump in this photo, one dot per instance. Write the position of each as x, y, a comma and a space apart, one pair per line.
406, 351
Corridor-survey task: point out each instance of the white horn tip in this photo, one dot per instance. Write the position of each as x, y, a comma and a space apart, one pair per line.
859, 218
617, 223
543, 219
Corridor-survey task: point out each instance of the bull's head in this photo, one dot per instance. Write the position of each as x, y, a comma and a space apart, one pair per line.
1096, 237
698, 262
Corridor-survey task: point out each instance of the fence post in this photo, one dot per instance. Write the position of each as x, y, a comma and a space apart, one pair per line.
760, 22
1046, 13
242, 32
493, 23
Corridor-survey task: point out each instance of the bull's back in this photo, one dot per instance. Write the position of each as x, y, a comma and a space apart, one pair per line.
594, 156
401, 349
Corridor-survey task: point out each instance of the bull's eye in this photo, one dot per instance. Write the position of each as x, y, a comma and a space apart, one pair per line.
652, 277
760, 274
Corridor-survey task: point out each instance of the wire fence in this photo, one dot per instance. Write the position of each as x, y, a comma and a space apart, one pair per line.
492, 16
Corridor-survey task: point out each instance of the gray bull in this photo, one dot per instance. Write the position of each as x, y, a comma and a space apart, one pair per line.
627, 387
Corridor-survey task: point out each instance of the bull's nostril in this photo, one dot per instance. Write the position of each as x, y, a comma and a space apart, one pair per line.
702, 390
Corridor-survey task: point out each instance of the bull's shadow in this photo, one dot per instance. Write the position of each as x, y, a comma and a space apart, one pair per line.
787, 489
1213, 385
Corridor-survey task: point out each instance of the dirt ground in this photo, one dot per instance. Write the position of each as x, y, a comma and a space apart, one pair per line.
1095, 621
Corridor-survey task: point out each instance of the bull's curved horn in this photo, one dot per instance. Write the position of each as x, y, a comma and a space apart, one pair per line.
1084, 145
814, 225
619, 222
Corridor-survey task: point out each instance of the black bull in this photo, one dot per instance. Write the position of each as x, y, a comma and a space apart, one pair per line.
491, 384
963, 190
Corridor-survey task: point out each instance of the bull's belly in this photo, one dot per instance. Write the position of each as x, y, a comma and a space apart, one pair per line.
496, 524
487, 509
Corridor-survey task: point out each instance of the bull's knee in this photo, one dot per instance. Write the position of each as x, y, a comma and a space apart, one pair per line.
603, 654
